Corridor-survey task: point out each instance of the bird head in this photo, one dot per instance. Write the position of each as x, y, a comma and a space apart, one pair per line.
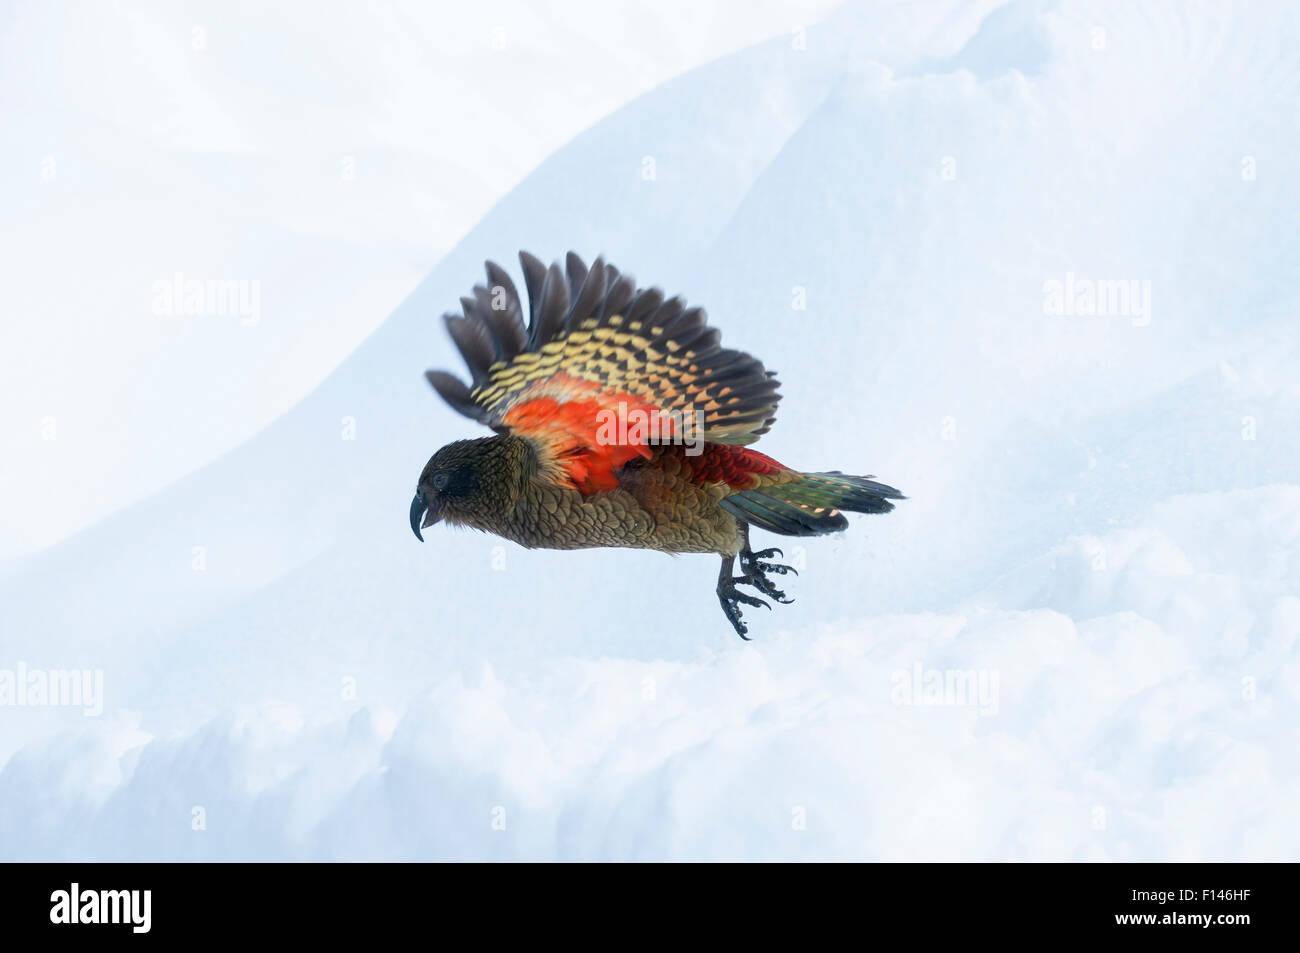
469, 482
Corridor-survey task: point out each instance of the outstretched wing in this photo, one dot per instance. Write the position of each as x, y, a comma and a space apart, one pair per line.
597, 345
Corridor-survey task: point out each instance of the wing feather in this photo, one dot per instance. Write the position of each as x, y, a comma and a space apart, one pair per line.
594, 341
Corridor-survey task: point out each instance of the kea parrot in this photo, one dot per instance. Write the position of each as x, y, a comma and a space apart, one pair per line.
621, 421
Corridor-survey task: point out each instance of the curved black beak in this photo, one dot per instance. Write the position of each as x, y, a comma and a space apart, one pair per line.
417, 513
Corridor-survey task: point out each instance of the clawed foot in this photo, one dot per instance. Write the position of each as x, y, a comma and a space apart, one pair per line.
754, 572
731, 598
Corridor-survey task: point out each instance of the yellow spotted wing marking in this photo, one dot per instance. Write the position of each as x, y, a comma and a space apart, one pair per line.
621, 360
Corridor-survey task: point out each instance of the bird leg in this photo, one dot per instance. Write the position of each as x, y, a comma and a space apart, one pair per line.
753, 572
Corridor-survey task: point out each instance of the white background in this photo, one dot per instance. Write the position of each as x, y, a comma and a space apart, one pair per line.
1103, 512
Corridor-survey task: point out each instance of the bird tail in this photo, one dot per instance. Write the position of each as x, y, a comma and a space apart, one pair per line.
812, 505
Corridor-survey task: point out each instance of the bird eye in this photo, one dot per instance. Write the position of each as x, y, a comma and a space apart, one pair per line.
440, 481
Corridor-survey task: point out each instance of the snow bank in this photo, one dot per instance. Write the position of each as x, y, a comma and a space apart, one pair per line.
1147, 729
1076, 639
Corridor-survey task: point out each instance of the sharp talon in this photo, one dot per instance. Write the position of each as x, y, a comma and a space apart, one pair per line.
746, 599
732, 612
765, 587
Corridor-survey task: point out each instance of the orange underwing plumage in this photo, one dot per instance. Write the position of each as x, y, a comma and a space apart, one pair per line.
568, 427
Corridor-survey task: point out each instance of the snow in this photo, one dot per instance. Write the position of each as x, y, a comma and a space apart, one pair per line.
1075, 641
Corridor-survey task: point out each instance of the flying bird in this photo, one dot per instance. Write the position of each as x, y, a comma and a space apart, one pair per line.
621, 421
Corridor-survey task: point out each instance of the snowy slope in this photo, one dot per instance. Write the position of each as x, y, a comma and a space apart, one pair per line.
225, 141
1102, 530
